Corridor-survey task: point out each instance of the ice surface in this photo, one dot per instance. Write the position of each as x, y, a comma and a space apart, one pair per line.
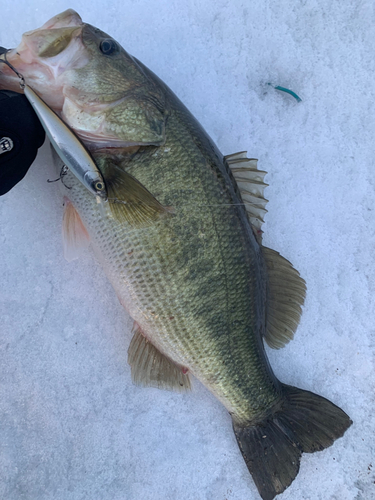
72, 425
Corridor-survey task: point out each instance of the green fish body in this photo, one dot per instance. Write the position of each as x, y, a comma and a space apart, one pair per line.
180, 241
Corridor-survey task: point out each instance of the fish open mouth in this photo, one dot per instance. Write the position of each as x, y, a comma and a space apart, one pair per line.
60, 29
44, 55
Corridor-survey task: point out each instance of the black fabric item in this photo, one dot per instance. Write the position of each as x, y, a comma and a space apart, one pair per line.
18, 122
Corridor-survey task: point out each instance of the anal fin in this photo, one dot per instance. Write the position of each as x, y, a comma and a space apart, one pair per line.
286, 295
151, 368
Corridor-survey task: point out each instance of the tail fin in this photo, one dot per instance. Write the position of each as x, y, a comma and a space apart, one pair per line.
304, 422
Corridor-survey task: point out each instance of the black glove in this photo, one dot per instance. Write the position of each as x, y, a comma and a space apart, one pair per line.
21, 134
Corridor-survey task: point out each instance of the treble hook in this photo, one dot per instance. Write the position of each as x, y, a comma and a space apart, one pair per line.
63, 173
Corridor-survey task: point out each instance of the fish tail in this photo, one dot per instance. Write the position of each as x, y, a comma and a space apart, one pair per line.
302, 422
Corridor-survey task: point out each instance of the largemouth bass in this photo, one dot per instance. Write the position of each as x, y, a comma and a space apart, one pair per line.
203, 291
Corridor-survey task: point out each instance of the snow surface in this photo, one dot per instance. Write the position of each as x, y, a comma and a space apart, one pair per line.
72, 425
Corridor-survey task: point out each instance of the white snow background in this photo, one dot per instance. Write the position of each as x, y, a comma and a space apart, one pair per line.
72, 424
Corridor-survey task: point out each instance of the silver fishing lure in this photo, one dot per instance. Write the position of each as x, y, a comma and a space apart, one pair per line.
67, 145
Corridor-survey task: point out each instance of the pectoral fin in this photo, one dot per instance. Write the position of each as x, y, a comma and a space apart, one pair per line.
286, 295
129, 200
75, 236
150, 368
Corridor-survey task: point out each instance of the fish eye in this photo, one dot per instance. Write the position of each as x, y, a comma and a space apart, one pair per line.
108, 46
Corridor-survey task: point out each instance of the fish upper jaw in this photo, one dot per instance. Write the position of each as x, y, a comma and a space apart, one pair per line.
65, 19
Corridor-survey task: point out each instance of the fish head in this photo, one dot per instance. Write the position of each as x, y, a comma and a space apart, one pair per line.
85, 76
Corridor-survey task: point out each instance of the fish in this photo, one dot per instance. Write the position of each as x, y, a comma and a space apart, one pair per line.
180, 239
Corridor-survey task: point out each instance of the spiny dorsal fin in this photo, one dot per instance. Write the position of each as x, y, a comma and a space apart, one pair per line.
129, 200
250, 183
75, 236
150, 368
287, 291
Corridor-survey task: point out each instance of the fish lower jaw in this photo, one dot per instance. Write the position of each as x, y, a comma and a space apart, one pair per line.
9, 83
8, 79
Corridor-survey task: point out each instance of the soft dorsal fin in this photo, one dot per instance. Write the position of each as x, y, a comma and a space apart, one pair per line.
150, 368
250, 183
287, 291
75, 236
